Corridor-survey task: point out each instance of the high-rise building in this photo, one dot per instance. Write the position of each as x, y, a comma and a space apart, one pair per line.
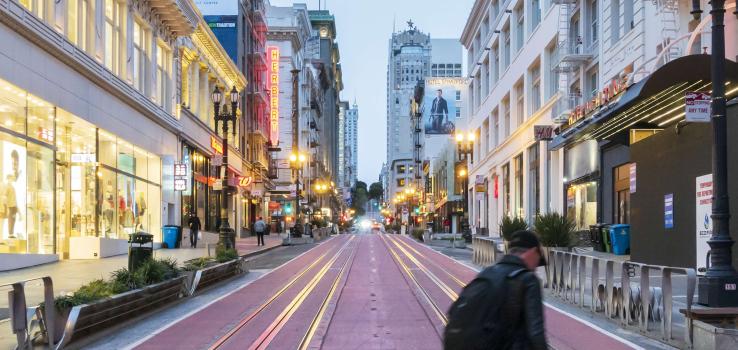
343, 149
409, 61
352, 144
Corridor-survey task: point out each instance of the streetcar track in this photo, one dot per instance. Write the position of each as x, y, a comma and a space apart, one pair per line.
308, 337
442, 285
434, 263
268, 335
244, 321
434, 306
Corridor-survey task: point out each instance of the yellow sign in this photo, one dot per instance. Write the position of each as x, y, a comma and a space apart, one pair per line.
215, 145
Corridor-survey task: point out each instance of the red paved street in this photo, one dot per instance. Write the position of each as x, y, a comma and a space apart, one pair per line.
350, 292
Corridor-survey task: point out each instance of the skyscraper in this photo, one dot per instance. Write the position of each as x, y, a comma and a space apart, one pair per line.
352, 143
409, 60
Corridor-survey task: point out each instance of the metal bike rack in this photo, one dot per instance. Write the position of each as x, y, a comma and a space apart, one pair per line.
20, 313
633, 302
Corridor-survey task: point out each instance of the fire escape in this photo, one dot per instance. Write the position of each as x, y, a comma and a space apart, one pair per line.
571, 55
669, 12
258, 103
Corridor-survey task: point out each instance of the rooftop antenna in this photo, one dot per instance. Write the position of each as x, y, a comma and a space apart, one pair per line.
394, 20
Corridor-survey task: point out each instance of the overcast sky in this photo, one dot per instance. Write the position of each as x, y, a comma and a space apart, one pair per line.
363, 30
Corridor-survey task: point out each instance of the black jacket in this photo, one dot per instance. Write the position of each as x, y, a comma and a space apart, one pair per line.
194, 223
528, 333
439, 106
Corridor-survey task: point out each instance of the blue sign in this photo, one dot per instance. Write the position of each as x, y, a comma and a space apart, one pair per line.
669, 211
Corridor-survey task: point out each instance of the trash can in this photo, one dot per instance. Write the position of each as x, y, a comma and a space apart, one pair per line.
595, 235
605, 238
138, 251
172, 236
620, 236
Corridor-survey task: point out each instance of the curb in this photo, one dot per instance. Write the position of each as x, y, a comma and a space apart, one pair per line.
259, 252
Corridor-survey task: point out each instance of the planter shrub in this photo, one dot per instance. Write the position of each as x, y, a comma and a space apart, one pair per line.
418, 233
510, 225
120, 281
223, 255
555, 230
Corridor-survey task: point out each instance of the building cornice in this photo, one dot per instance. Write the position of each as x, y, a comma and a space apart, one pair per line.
472, 22
209, 46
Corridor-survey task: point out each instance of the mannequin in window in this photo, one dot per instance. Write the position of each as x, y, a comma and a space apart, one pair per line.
140, 209
11, 204
108, 208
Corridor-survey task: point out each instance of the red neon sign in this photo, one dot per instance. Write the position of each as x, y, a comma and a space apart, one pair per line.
273, 81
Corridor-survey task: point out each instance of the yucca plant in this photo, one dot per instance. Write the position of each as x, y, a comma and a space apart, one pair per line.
510, 225
555, 230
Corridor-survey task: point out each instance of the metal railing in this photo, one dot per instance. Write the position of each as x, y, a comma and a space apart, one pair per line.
486, 251
24, 319
627, 296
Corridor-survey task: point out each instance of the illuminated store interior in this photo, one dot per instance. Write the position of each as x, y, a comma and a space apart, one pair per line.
65, 179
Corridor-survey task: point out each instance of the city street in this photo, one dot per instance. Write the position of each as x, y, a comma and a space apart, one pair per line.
372, 291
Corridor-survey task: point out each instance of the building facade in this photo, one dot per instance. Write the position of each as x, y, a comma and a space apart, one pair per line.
90, 125
289, 30
409, 61
558, 64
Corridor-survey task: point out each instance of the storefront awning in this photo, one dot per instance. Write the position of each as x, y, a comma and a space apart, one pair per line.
655, 102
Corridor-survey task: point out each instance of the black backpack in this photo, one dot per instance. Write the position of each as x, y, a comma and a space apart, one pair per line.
484, 317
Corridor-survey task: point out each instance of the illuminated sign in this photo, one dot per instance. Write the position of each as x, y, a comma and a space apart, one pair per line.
45, 134
245, 181
608, 94
180, 176
215, 145
274, 94
83, 158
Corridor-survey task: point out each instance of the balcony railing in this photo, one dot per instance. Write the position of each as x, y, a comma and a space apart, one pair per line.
564, 106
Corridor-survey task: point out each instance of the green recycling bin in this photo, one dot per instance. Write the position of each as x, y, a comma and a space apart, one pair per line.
140, 249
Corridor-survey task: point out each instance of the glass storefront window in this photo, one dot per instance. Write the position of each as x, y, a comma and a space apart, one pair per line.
108, 204
92, 185
40, 218
581, 204
108, 149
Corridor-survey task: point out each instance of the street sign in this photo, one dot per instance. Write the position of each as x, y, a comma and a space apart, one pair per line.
218, 185
256, 193
543, 132
293, 193
697, 106
216, 160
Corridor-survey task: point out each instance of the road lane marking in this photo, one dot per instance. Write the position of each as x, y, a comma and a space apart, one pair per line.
458, 281
189, 314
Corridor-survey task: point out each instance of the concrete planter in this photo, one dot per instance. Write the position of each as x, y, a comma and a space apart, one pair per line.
708, 336
84, 320
201, 279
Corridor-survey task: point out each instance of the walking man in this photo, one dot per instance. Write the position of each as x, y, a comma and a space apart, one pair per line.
194, 224
260, 229
502, 307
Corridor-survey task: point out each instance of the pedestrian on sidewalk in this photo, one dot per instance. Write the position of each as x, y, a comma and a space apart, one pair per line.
195, 225
260, 229
502, 307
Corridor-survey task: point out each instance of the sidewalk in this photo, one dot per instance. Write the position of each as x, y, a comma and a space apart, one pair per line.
69, 275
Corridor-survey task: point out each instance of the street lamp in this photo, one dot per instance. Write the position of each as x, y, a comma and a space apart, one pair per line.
464, 149
227, 236
718, 287
297, 160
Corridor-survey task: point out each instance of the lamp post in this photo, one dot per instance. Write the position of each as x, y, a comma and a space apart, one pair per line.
226, 237
297, 160
465, 152
718, 287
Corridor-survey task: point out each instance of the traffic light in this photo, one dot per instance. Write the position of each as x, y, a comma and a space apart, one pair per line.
417, 210
288, 208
